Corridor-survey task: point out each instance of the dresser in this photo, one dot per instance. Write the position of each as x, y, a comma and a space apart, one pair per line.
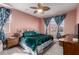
70, 48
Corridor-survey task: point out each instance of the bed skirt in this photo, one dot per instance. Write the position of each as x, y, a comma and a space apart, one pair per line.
38, 50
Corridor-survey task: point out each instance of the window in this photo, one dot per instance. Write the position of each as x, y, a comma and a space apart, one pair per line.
7, 25
61, 29
53, 28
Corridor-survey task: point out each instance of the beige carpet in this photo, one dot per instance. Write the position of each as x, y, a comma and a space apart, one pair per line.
56, 49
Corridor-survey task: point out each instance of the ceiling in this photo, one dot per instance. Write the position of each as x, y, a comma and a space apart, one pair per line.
55, 8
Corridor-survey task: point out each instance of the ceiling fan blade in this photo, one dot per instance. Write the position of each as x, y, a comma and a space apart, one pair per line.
35, 12
45, 8
34, 7
39, 5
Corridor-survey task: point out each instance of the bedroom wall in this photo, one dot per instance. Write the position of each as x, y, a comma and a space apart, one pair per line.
21, 21
77, 20
70, 22
77, 15
42, 26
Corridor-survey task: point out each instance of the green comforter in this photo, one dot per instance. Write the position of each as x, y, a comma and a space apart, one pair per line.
33, 42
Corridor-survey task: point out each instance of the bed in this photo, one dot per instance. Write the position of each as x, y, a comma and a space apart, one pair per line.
34, 43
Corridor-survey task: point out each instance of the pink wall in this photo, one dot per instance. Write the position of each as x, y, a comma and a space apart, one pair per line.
77, 13
20, 21
70, 22
42, 26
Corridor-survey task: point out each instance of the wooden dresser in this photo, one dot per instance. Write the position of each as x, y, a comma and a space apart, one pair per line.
70, 44
70, 48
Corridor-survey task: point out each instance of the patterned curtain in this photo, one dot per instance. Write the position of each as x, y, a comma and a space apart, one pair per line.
47, 21
59, 20
4, 15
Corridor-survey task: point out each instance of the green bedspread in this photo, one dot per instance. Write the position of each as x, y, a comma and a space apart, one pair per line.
34, 41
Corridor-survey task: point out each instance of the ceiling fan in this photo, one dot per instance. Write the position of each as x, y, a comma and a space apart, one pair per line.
41, 8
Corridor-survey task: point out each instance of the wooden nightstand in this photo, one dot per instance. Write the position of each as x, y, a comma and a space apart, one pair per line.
12, 41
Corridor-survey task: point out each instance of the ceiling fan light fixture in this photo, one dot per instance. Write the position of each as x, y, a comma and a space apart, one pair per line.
40, 10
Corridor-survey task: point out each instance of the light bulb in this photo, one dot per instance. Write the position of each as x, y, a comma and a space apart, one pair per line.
40, 10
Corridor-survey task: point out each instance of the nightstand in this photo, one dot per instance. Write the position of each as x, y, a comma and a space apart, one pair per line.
12, 41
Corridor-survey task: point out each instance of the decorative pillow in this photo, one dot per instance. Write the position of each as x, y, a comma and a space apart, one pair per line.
30, 33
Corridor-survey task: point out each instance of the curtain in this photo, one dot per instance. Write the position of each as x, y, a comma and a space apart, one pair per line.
47, 21
4, 15
59, 20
